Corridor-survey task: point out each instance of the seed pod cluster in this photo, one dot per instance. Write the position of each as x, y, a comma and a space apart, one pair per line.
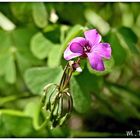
57, 99
58, 103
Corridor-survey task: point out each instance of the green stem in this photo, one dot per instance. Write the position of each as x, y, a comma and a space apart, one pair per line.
68, 76
36, 117
11, 112
6, 99
68, 70
37, 126
21, 114
63, 77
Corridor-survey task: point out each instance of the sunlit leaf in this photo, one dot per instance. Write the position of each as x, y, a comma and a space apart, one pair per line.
22, 11
127, 16
40, 46
54, 56
97, 21
40, 14
24, 56
37, 78
74, 31
33, 110
10, 70
5, 23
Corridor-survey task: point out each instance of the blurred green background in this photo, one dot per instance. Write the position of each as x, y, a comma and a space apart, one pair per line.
33, 37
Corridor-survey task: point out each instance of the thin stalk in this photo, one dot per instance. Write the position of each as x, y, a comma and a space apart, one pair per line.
36, 124
6, 99
63, 77
68, 77
68, 70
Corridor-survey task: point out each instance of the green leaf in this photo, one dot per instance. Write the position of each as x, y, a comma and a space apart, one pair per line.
10, 70
40, 14
54, 56
4, 49
2, 63
73, 10
108, 67
37, 78
98, 21
40, 46
6, 24
7, 61
129, 37
4, 36
10, 119
74, 31
53, 33
25, 60
21, 38
3, 131
127, 16
118, 52
81, 100
32, 110
89, 82
24, 124
22, 11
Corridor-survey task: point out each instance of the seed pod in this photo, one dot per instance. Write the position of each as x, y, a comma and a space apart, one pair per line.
57, 100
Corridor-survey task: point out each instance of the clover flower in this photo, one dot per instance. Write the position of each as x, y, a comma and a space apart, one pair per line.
89, 47
57, 100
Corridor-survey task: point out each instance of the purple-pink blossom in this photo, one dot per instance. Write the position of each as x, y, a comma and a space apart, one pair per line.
89, 47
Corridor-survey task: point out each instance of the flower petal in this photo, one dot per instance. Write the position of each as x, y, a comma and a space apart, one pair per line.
96, 61
68, 54
103, 49
82, 41
92, 36
74, 48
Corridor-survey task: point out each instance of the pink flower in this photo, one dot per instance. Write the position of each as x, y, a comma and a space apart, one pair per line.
90, 47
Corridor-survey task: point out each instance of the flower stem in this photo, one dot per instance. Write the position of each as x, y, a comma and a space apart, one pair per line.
68, 70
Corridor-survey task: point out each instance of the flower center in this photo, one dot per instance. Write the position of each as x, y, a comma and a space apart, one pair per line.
86, 49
